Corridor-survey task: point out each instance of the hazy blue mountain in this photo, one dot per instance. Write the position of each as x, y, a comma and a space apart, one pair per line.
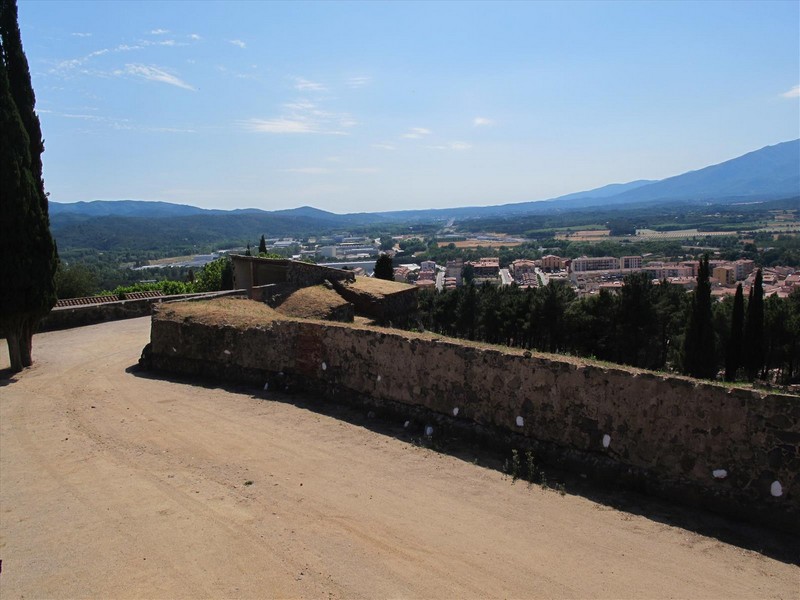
323, 215
607, 190
80, 211
772, 172
577, 199
124, 208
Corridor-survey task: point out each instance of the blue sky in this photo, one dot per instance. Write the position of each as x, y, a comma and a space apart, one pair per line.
374, 106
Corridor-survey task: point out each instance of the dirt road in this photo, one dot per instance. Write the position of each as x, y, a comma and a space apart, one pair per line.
113, 485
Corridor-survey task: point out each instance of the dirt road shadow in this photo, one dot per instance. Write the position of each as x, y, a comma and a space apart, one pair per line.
7, 377
445, 435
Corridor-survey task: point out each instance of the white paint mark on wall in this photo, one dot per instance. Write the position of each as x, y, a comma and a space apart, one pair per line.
520, 421
429, 431
266, 386
719, 473
776, 489
406, 424
228, 352
455, 411
606, 440
324, 366
174, 349
379, 378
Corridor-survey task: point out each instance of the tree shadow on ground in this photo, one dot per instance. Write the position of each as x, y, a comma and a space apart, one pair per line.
413, 429
7, 377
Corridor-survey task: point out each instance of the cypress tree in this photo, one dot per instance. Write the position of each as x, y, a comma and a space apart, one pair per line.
262, 246
734, 352
28, 258
754, 329
247, 251
698, 348
384, 268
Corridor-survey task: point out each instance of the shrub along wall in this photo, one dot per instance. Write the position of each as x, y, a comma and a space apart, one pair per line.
729, 449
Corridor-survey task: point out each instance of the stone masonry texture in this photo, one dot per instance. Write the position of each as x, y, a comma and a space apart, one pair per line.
729, 449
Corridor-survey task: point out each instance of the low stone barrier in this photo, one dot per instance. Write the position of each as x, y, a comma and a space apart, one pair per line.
728, 449
66, 317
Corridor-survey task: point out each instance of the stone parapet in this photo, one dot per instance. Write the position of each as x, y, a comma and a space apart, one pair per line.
732, 450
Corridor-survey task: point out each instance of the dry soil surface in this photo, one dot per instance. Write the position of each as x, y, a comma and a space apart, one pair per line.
114, 485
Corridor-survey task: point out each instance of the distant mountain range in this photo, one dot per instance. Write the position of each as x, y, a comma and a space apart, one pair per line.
770, 173
766, 174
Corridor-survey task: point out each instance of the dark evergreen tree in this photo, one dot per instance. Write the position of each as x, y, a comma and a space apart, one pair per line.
733, 353
554, 301
75, 281
753, 348
262, 246
227, 275
466, 311
384, 268
591, 324
698, 345
29, 258
637, 337
468, 274
247, 250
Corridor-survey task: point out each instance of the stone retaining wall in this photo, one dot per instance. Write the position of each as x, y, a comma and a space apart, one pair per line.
728, 449
67, 317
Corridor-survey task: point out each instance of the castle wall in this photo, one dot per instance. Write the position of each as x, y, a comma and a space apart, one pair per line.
66, 317
729, 449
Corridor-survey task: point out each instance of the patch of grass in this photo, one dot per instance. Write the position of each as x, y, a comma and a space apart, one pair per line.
315, 302
529, 471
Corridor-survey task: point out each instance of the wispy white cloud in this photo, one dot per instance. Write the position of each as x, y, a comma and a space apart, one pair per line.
239, 43
159, 31
482, 122
310, 170
153, 73
416, 133
329, 171
304, 85
358, 82
195, 36
80, 34
279, 125
115, 123
458, 146
237, 74
385, 146
792, 93
171, 130
64, 67
302, 116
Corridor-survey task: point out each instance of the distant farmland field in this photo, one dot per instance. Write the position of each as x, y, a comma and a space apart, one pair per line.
481, 244
682, 234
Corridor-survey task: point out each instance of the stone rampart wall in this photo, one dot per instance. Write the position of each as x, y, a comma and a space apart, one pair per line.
90, 314
306, 274
729, 449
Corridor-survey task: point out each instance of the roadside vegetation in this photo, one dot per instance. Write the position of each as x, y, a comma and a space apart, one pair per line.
644, 325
